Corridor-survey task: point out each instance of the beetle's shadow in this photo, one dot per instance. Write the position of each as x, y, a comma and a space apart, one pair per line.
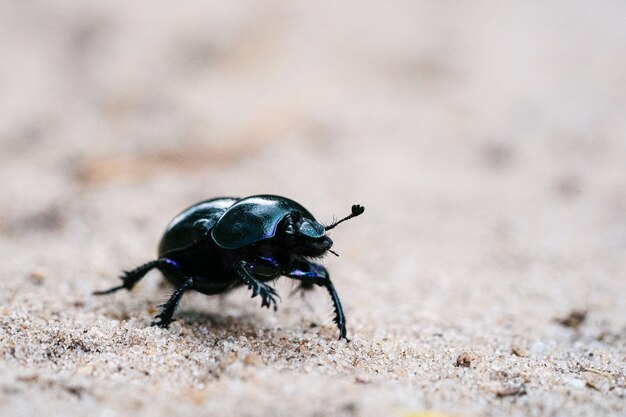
224, 325
226, 316
199, 317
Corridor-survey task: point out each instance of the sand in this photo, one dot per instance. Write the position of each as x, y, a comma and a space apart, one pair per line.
486, 140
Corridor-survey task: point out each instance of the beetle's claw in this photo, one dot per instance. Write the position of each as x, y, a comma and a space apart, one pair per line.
267, 296
161, 321
267, 302
342, 332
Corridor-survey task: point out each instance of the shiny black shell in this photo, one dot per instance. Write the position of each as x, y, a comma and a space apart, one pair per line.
232, 223
256, 218
193, 225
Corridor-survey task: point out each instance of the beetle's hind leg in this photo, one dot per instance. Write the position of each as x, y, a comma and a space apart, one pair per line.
164, 318
303, 288
132, 277
314, 274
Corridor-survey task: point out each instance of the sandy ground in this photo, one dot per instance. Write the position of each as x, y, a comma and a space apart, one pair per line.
486, 139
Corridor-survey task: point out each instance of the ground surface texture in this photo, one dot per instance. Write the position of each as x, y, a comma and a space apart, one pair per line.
487, 141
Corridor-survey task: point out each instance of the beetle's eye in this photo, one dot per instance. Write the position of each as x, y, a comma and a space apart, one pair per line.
288, 227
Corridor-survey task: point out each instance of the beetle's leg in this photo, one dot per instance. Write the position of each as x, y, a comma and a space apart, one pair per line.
311, 273
303, 288
130, 278
164, 318
267, 293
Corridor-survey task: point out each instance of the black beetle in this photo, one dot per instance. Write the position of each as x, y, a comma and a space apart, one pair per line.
222, 243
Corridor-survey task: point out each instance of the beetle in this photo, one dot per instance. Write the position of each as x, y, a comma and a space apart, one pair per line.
226, 242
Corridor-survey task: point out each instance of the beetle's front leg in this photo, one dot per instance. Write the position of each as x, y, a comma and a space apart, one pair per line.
311, 273
245, 270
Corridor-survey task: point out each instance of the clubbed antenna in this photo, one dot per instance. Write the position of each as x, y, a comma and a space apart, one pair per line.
357, 210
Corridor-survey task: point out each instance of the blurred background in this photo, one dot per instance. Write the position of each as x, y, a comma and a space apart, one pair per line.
486, 139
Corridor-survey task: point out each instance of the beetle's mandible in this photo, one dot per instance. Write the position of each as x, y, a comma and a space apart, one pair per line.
226, 242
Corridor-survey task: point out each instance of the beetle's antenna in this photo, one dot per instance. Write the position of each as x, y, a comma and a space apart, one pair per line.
357, 210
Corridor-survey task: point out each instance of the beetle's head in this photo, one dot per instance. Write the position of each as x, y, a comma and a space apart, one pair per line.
307, 237
302, 236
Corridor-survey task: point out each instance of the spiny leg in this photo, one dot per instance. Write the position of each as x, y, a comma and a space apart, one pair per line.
311, 273
267, 293
130, 278
164, 318
340, 318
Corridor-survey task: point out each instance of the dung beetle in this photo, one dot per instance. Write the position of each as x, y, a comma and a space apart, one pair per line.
226, 242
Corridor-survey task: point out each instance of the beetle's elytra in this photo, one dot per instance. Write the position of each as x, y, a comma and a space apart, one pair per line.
222, 243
